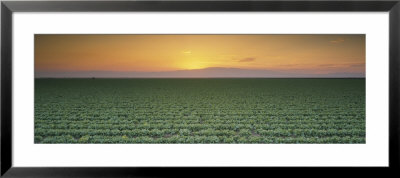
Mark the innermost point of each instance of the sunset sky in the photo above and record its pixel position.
(129, 55)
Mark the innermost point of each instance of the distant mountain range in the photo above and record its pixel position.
(212, 72)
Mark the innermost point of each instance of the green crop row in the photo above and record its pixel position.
(200, 111)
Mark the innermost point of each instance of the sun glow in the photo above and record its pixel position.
(191, 64)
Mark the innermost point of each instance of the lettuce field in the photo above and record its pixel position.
(186, 111)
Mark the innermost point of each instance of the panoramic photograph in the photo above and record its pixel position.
(199, 89)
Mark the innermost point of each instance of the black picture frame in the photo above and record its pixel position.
(8, 7)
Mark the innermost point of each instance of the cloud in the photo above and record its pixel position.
(339, 40)
(345, 65)
(248, 59)
(330, 65)
(358, 65)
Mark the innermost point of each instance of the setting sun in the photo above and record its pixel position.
(192, 64)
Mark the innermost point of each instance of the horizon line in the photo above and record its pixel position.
(176, 70)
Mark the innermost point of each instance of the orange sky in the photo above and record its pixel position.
(312, 53)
